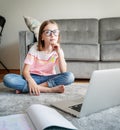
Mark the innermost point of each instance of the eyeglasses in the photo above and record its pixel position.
(49, 32)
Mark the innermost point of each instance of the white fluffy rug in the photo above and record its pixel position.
(12, 103)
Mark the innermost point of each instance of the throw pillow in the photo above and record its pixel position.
(33, 25)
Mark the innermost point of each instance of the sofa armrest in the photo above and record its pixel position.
(25, 39)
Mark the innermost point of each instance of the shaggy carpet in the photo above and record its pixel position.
(12, 103)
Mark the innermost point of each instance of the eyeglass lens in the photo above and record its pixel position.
(49, 32)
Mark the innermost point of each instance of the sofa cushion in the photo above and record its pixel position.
(83, 52)
(109, 29)
(108, 65)
(78, 30)
(109, 38)
(110, 51)
(82, 69)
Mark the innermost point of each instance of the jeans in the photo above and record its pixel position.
(18, 82)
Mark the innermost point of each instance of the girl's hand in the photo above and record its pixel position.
(56, 47)
(61, 59)
(34, 89)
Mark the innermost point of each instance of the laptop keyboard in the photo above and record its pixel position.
(76, 107)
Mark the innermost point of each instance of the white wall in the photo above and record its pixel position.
(14, 10)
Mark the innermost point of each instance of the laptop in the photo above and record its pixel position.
(103, 92)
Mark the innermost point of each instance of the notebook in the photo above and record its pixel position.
(103, 92)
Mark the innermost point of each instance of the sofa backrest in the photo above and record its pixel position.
(109, 29)
(83, 31)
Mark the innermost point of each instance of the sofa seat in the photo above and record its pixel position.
(81, 52)
(108, 65)
(82, 69)
(110, 51)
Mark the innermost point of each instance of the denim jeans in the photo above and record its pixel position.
(18, 82)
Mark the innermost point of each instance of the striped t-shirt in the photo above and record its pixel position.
(40, 62)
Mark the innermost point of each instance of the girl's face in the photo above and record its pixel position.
(50, 34)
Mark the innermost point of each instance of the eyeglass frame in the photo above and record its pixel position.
(52, 31)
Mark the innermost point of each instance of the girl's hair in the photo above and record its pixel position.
(41, 43)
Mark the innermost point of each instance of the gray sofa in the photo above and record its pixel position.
(89, 44)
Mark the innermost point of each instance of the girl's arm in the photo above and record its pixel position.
(61, 60)
(33, 87)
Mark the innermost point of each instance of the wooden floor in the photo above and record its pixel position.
(3, 72)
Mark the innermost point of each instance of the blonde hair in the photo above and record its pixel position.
(41, 43)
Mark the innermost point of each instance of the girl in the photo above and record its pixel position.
(39, 66)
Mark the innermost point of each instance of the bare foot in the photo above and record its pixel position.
(57, 89)
(17, 91)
